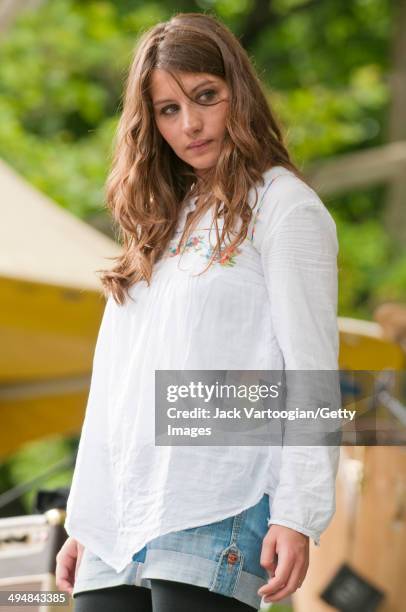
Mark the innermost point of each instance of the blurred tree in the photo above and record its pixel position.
(395, 213)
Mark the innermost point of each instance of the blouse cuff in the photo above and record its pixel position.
(308, 532)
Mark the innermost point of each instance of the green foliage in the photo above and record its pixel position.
(35, 459)
(61, 78)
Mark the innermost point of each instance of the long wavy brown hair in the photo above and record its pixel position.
(148, 183)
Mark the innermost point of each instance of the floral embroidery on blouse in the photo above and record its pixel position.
(198, 244)
(194, 243)
(228, 258)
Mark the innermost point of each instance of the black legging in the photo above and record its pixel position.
(164, 596)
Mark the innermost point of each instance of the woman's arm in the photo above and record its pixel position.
(299, 259)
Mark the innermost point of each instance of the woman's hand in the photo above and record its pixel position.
(289, 568)
(67, 564)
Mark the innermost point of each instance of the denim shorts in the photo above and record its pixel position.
(222, 556)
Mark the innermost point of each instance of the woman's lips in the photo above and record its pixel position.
(199, 147)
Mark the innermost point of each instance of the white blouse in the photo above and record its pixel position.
(269, 306)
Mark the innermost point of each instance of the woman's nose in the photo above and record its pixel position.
(192, 120)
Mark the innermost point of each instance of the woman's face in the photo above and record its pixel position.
(185, 122)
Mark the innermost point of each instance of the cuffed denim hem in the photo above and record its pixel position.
(217, 577)
(104, 577)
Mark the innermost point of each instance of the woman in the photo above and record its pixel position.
(228, 263)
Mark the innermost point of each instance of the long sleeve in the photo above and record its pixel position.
(299, 259)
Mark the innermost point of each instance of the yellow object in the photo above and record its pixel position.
(51, 307)
(363, 347)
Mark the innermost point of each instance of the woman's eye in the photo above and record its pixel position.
(165, 109)
(207, 95)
